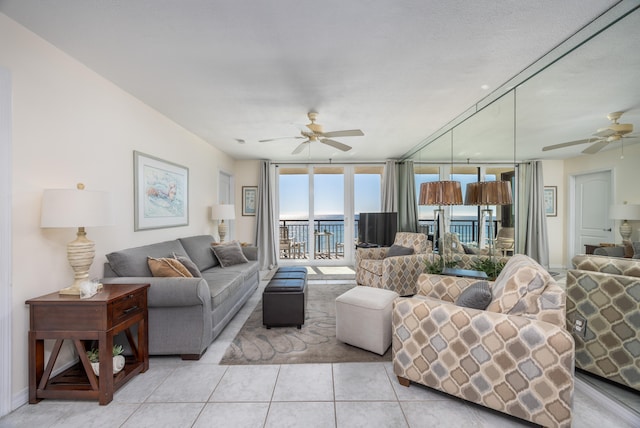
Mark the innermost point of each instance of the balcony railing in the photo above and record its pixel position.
(329, 240)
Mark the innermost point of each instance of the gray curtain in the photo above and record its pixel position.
(532, 219)
(407, 203)
(265, 219)
(389, 187)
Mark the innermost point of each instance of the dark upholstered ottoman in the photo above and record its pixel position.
(284, 298)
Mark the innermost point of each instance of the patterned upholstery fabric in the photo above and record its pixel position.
(399, 274)
(604, 294)
(454, 252)
(516, 364)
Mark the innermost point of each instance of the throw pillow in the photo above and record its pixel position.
(468, 250)
(399, 250)
(189, 264)
(167, 267)
(229, 254)
(476, 296)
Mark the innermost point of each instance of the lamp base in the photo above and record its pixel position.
(80, 253)
(222, 230)
(625, 230)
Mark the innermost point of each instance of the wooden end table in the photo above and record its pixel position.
(57, 317)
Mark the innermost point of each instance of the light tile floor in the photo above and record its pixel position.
(175, 393)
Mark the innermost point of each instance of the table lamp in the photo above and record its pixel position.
(625, 212)
(223, 212)
(440, 193)
(65, 208)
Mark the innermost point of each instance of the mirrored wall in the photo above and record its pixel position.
(566, 97)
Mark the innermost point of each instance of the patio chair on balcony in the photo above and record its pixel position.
(286, 244)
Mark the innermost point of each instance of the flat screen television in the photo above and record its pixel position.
(377, 229)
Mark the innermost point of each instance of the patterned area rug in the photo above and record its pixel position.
(315, 343)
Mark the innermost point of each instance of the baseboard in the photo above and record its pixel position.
(21, 398)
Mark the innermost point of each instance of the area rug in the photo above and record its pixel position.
(315, 343)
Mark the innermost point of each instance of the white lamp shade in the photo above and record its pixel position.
(223, 212)
(75, 208)
(624, 212)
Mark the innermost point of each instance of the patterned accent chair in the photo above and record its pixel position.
(603, 313)
(454, 252)
(515, 357)
(399, 274)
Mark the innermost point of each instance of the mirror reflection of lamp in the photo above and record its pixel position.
(223, 212)
(71, 208)
(440, 193)
(625, 212)
(488, 193)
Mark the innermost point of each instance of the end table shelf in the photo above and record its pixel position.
(57, 317)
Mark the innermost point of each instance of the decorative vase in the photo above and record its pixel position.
(118, 365)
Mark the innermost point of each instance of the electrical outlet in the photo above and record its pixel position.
(580, 325)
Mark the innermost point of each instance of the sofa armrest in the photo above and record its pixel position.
(445, 288)
(170, 292)
(377, 253)
(250, 252)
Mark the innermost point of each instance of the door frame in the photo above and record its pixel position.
(5, 243)
(573, 210)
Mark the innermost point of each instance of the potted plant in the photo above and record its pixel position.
(118, 359)
(489, 266)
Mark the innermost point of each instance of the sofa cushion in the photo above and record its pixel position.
(399, 250)
(167, 267)
(133, 261)
(197, 248)
(476, 296)
(519, 284)
(189, 264)
(229, 254)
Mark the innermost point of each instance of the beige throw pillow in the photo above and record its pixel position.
(167, 267)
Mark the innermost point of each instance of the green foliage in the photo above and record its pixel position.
(489, 266)
(94, 355)
(435, 267)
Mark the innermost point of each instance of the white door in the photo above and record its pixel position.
(592, 199)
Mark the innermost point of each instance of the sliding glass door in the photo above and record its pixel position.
(318, 210)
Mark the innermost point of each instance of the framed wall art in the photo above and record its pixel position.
(249, 200)
(551, 201)
(161, 193)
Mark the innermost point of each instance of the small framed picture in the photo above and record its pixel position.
(249, 199)
(551, 201)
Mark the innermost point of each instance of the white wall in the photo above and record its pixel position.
(626, 176)
(247, 174)
(70, 125)
(552, 171)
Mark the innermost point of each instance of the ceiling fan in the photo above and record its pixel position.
(603, 136)
(315, 133)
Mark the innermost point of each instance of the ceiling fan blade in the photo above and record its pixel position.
(338, 145)
(279, 138)
(570, 143)
(347, 133)
(596, 147)
(300, 147)
(604, 133)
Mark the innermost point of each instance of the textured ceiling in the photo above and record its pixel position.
(398, 70)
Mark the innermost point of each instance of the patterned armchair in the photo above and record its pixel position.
(455, 252)
(603, 312)
(399, 274)
(515, 357)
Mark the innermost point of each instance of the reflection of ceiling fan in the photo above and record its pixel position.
(315, 133)
(614, 132)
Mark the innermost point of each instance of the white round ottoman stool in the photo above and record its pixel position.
(363, 318)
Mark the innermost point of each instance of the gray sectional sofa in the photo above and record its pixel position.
(186, 314)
